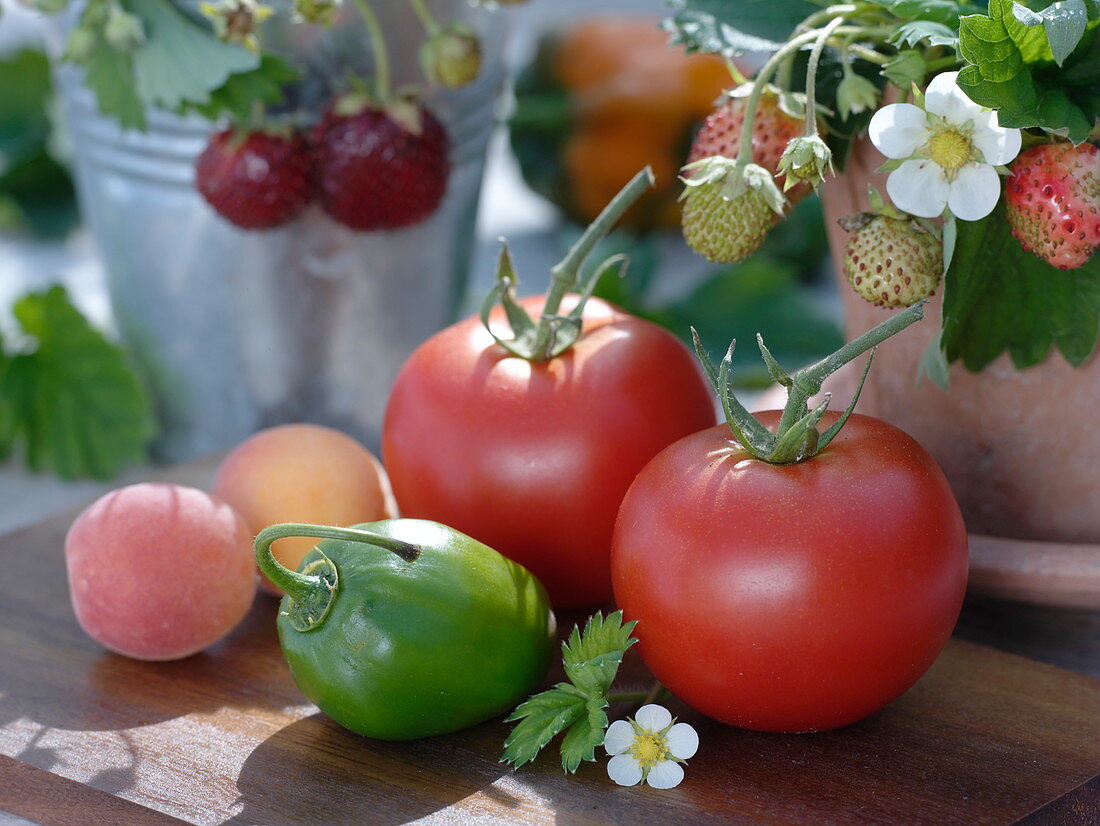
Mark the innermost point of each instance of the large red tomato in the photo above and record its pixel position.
(791, 597)
(533, 458)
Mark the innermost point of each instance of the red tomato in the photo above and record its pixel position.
(791, 597)
(533, 458)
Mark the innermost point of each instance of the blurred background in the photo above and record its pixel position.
(593, 94)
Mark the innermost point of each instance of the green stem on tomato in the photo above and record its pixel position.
(807, 381)
(811, 75)
(565, 273)
(378, 48)
(430, 24)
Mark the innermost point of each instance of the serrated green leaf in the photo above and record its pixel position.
(1013, 70)
(1064, 23)
(733, 28)
(935, 34)
(586, 733)
(109, 74)
(592, 657)
(946, 12)
(75, 403)
(999, 298)
(541, 718)
(181, 62)
(240, 92)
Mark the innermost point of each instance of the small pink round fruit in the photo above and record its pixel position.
(159, 571)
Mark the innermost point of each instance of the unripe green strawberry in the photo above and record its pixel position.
(452, 56)
(892, 261)
(723, 230)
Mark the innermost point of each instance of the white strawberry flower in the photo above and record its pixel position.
(651, 747)
(949, 150)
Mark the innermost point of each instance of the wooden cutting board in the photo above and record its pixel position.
(91, 737)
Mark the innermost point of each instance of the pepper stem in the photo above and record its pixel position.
(313, 590)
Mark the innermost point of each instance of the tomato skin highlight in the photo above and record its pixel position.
(533, 458)
(793, 597)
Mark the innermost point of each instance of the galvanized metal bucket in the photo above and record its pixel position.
(239, 330)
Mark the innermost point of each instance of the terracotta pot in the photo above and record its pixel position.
(1016, 445)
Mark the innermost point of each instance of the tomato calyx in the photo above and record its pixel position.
(796, 437)
(555, 333)
(313, 591)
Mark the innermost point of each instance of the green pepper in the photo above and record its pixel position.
(406, 628)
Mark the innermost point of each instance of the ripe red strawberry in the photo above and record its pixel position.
(257, 180)
(892, 261)
(381, 167)
(772, 130)
(1054, 202)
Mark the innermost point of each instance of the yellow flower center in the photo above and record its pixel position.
(949, 149)
(649, 749)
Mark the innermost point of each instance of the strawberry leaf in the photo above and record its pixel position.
(998, 298)
(723, 27)
(580, 742)
(1014, 69)
(591, 658)
(945, 12)
(1064, 22)
(181, 62)
(936, 34)
(72, 400)
(237, 96)
(541, 719)
(109, 74)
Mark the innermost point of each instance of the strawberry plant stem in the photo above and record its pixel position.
(841, 10)
(870, 55)
(744, 155)
(430, 24)
(811, 75)
(378, 48)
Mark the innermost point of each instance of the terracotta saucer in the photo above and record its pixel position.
(1058, 574)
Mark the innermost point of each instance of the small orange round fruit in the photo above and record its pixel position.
(303, 473)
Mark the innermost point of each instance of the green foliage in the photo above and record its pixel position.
(591, 658)
(917, 31)
(35, 190)
(944, 12)
(733, 28)
(178, 65)
(240, 92)
(1014, 68)
(70, 399)
(998, 297)
(179, 62)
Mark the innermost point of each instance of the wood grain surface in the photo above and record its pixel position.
(225, 737)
